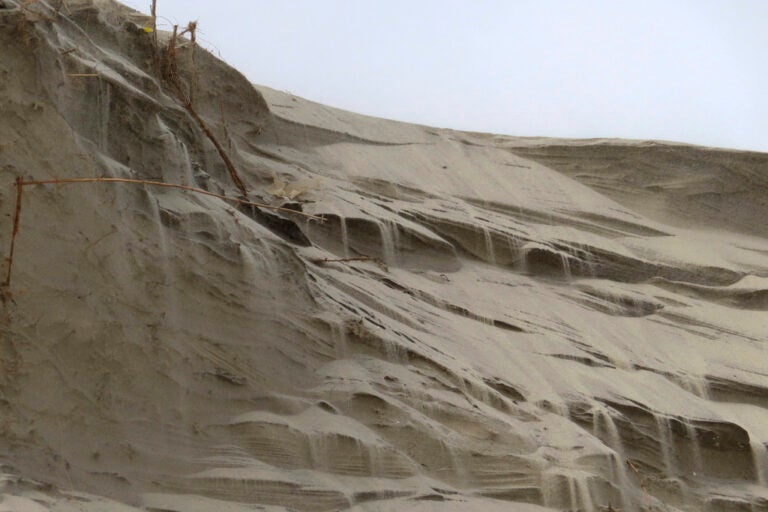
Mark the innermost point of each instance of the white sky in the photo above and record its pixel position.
(685, 70)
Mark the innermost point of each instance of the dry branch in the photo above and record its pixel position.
(642, 483)
(16, 219)
(343, 260)
(222, 152)
(192, 31)
(168, 185)
(170, 62)
(171, 73)
(81, 75)
(63, 3)
(155, 44)
(31, 15)
(21, 183)
(224, 125)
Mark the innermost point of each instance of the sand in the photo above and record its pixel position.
(521, 324)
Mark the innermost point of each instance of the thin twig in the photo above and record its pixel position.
(102, 237)
(155, 44)
(224, 125)
(642, 483)
(80, 75)
(21, 183)
(16, 219)
(343, 260)
(193, 37)
(63, 3)
(169, 185)
(170, 58)
(192, 31)
(38, 16)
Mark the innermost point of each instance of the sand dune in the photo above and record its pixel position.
(481, 322)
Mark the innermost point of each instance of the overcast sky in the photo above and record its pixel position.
(685, 70)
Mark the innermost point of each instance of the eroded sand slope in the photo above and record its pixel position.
(544, 324)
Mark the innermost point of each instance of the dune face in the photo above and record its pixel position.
(480, 323)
